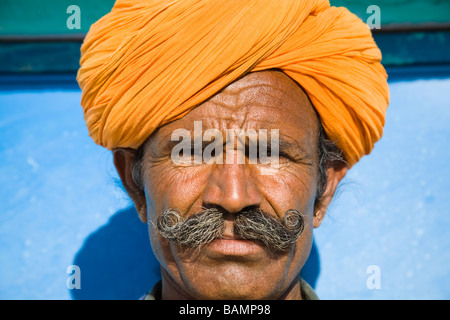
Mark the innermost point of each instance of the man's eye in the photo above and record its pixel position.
(262, 156)
(185, 153)
(282, 157)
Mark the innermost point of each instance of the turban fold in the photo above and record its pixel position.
(149, 62)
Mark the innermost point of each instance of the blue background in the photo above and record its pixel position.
(62, 205)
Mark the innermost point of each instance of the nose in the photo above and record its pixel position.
(231, 187)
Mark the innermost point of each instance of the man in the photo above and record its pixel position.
(224, 223)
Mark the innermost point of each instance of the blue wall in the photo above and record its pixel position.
(61, 205)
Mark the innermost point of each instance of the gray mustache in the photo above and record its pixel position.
(202, 228)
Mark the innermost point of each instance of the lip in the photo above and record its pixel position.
(234, 247)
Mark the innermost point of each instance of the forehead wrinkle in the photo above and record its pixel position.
(227, 114)
(256, 92)
(272, 95)
(244, 107)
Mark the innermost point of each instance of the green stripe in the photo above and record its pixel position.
(31, 17)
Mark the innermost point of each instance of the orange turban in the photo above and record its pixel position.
(149, 62)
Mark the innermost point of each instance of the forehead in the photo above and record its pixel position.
(260, 100)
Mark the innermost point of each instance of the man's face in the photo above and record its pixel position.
(230, 268)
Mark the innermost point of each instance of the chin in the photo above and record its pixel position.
(237, 282)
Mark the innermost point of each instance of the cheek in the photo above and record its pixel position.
(295, 190)
(161, 249)
(302, 248)
(169, 187)
(290, 189)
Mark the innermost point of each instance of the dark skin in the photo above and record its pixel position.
(262, 100)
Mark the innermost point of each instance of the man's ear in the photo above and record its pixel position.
(334, 175)
(124, 159)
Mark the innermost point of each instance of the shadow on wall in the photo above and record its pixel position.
(117, 262)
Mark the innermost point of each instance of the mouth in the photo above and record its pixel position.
(233, 247)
